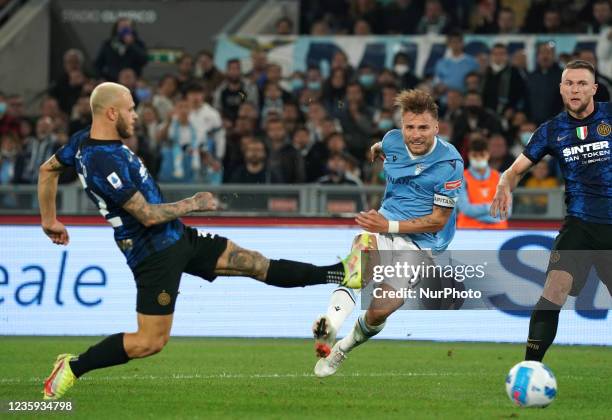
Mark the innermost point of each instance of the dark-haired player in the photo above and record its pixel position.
(157, 246)
(579, 138)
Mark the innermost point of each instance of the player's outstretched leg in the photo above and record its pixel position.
(367, 326)
(152, 335)
(545, 316)
(237, 261)
(325, 327)
(361, 332)
(68, 368)
(61, 378)
(342, 300)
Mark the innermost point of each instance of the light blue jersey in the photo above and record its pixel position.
(416, 183)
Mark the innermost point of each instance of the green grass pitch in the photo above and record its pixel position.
(272, 378)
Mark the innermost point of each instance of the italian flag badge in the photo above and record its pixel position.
(581, 132)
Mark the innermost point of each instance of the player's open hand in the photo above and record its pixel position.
(502, 202)
(372, 221)
(205, 201)
(56, 231)
(377, 152)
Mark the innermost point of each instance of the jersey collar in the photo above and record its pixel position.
(581, 120)
(433, 146)
(94, 142)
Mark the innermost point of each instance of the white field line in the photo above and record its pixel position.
(8, 381)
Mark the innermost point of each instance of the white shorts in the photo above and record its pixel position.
(395, 247)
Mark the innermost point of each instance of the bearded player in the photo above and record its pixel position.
(424, 175)
(579, 138)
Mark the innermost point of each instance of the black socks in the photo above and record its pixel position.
(108, 352)
(286, 273)
(542, 329)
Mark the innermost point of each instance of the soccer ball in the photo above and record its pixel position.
(531, 384)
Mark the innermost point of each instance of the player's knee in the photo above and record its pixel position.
(154, 344)
(558, 286)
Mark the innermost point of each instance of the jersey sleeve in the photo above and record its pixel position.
(450, 183)
(537, 147)
(65, 154)
(111, 177)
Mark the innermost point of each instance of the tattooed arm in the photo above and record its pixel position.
(375, 222)
(48, 176)
(154, 214)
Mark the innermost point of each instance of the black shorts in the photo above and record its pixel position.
(158, 276)
(581, 246)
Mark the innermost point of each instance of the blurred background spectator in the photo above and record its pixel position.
(124, 49)
(260, 118)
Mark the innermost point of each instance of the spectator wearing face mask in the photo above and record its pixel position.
(480, 184)
(401, 68)
(124, 49)
(503, 87)
(367, 79)
(523, 135)
(384, 122)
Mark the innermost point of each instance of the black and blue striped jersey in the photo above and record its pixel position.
(111, 174)
(582, 148)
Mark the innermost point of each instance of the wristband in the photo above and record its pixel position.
(393, 226)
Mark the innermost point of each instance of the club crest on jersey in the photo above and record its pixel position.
(394, 158)
(581, 132)
(419, 168)
(452, 185)
(604, 129)
(114, 180)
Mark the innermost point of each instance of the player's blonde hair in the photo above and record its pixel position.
(106, 94)
(416, 101)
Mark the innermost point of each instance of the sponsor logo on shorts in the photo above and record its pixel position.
(555, 256)
(164, 298)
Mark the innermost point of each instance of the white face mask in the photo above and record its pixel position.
(497, 67)
(401, 69)
(479, 163)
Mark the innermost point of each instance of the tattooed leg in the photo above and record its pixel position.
(236, 261)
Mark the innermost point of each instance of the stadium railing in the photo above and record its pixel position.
(311, 200)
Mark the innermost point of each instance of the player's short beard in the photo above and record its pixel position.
(122, 128)
(581, 108)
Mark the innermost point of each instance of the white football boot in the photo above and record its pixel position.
(329, 365)
(324, 334)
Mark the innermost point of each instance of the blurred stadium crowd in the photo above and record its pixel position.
(215, 125)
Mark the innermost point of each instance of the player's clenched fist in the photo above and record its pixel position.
(377, 152)
(372, 221)
(204, 201)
